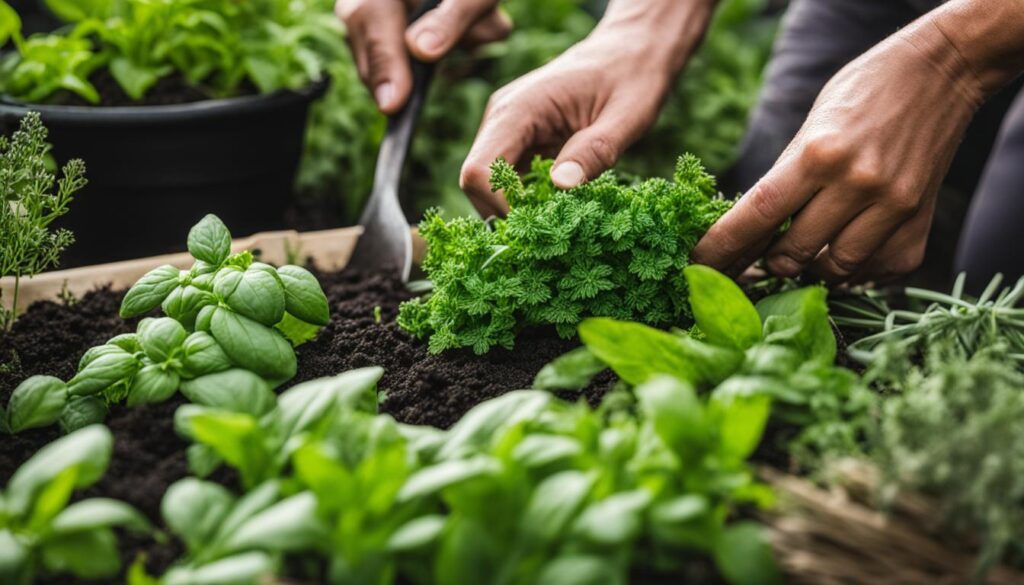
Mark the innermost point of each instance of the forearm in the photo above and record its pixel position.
(668, 31)
(988, 35)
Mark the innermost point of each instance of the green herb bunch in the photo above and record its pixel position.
(783, 348)
(227, 312)
(607, 248)
(524, 489)
(30, 200)
(41, 534)
(220, 47)
(954, 429)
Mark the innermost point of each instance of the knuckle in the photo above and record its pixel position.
(825, 151)
(865, 176)
(351, 11)
(845, 263)
(603, 150)
(766, 199)
(474, 178)
(904, 202)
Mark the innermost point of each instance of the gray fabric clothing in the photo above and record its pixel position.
(817, 39)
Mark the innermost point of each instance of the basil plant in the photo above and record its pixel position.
(226, 312)
(41, 534)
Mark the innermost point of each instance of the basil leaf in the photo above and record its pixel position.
(210, 241)
(161, 338)
(184, 304)
(203, 320)
(236, 437)
(798, 319)
(291, 524)
(553, 504)
(82, 411)
(258, 296)
(202, 356)
(303, 405)
(431, 480)
(744, 556)
(94, 352)
(304, 299)
(151, 290)
(741, 421)
(722, 311)
(232, 390)
(103, 372)
(253, 346)
(16, 564)
(193, 510)
(417, 533)
(36, 402)
(152, 384)
(572, 371)
(250, 567)
(200, 268)
(579, 569)
(202, 460)
(226, 281)
(297, 332)
(98, 513)
(126, 341)
(678, 417)
(616, 520)
(637, 352)
(87, 451)
(90, 554)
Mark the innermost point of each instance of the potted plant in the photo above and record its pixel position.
(181, 107)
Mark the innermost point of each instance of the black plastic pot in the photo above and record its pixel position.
(154, 171)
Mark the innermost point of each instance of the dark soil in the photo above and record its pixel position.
(419, 388)
(169, 90)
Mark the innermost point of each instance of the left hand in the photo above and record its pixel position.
(861, 177)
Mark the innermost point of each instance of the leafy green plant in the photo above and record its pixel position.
(227, 313)
(783, 347)
(220, 47)
(952, 429)
(524, 489)
(955, 319)
(40, 533)
(29, 204)
(606, 248)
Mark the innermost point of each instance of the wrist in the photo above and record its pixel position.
(666, 32)
(988, 35)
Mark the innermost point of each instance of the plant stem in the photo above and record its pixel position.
(14, 305)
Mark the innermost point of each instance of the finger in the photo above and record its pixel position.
(505, 133)
(437, 31)
(814, 226)
(902, 253)
(850, 250)
(375, 32)
(596, 148)
(492, 27)
(749, 258)
(756, 216)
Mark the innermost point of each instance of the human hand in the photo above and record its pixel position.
(381, 43)
(861, 177)
(585, 107)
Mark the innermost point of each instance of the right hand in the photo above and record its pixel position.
(381, 43)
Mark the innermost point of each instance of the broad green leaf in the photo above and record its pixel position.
(721, 310)
(433, 479)
(103, 372)
(202, 355)
(82, 411)
(151, 385)
(202, 460)
(306, 404)
(250, 504)
(291, 524)
(150, 291)
(253, 346)
(78, 10)
(572, 371)
(237, 438)
(95, 352)
(476, 429)
(98, 513)
(744, 557)
(258, 296)
(87, 449)
(677, 415)
(242, 569)
(160, 338)
(581, 570)
(233, 390)
(614, 521)
(185, 303)
(210, 241)
(36, 402)
(193, 510)
(468, 552)
(637, 352)
(553, 505)
(90, 554)
(205, 318)
(10, 26)
(297, 332)
(417, 533)
(135, 78)
(741, 422)
(226, 281)
(537, 450)
(304, 298)
(126, 341)
(798, 319)
(51, 499)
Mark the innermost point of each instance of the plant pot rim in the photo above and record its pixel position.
(167, 114)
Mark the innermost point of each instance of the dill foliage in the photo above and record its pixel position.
(610, 248)
(31, 198)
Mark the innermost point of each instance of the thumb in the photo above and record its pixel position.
(590, 152)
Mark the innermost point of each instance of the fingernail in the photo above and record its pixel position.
(429, 41)
(568, 175)
(384, 93)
